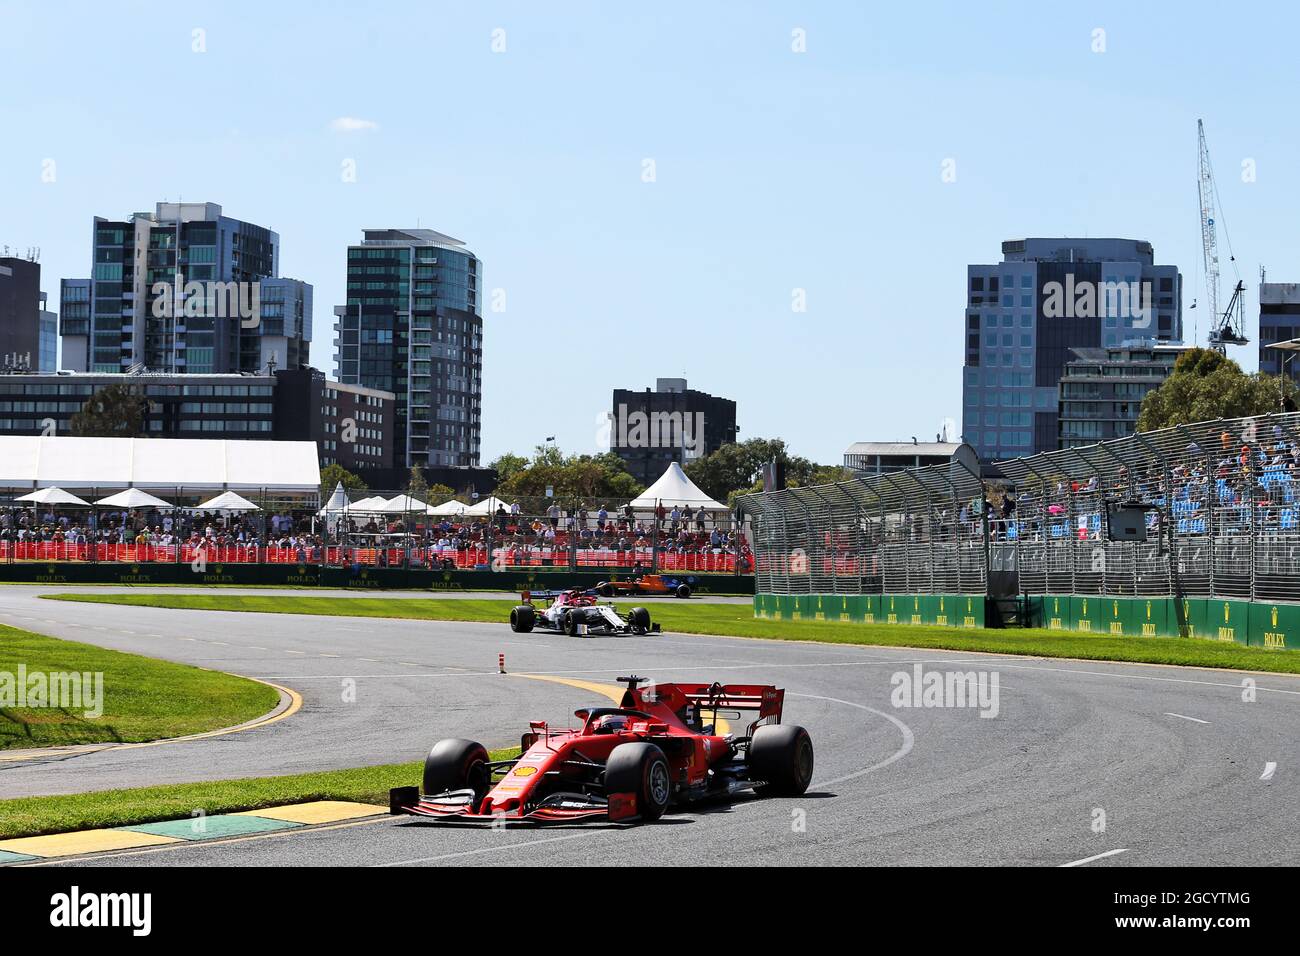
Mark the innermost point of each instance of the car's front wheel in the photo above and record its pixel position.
(522, 618)
(639, 620)
(640, 769)
(456, 764)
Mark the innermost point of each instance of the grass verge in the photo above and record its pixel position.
(737, 620)
(32, 816)
(142, 698)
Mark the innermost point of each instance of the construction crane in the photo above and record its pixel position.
(1228, 328)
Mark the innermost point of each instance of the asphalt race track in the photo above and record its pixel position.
(1173, 757)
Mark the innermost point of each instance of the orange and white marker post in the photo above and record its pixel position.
(501, 663)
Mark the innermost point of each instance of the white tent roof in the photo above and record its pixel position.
(370, 506)
(132, 498)
(338, 501)
(451, 507)
(674, 488)
(190, 464)
(228, 501)
(403, 504)
(488, 506)
(53, 496)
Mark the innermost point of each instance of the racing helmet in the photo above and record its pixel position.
(610, 724)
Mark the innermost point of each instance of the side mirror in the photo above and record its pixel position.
(581, 714)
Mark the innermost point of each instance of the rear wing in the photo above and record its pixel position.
(764, 698)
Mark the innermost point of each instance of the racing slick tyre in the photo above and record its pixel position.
(781, 755)
(642, 769)
(683, 590)
(456, 764)
(569, 623)
(522, 618)
(639, 620)
(605, 589)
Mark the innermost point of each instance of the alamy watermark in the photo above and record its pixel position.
(209, 300)
(949, 689)
(640, 429)
(1086, 299)
(67, 690)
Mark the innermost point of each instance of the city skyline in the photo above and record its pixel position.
(858, 176)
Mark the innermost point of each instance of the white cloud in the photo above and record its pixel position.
(351, 124)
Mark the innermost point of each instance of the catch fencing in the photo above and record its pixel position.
(1222, 520)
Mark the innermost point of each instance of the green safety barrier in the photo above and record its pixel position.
(1269, 625)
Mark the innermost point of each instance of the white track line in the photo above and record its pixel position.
(492, 849)
(1195, 720)
(1089, 859)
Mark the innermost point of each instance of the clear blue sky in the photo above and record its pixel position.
(775, 170)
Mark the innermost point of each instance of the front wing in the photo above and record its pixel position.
(456, 806)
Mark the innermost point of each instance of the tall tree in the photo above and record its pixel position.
(114, 411)
(1205, 385)
(331, 475)
(416, 486)
(735, 468)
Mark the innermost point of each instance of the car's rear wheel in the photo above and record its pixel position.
(605, 589)
(781, 755)
(639, 620)
(522, 618)
(456, 764)
(641, 769)
(683, 590)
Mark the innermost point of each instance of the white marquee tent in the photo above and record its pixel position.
(488, 506)
(53, 496)
(674, 489)
(404, 504)
(227, 501)
(187, 465)
(131, 499)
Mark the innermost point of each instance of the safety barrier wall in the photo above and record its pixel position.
(1274, 626)
(941, 610)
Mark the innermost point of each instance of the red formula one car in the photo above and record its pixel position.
(656, 750)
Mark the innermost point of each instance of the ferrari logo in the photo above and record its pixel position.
(1114, 608)
(916, 604)
(1227, 610)
(1085, 607)
(1275, 617)
(1056, 605)
(1148, 610)
(940, 603)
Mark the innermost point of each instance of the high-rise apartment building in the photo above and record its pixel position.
(184, 289)
(20, 313)
(1102, 389)
(412, 326)
(1026, 314)
(1279, 321)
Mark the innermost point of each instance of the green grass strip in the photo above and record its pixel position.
(32, 816)
(737, 620)
(142, 699)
